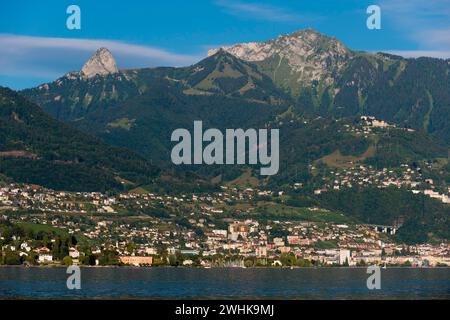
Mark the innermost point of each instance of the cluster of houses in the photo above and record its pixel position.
(358, 245)
(368, 123)
(44, 254)
(359, 175)
(34, 197)
(206, 231)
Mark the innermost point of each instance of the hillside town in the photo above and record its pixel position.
(405, 177)
(40, 226)
(348, 173)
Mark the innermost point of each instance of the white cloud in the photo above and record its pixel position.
(48, 57)
(436, 38)
(425, 22)
(420, 53)
(258, 11)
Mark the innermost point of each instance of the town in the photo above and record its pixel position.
(234, 227)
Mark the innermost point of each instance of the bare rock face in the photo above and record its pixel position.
(101, 63)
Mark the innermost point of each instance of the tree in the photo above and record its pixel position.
(173, 260)
(67, 261)
(88, 259)
(108, 257)
(407, 263)
(248, 263)
(346, 264)
(12, 258)
(31, 258)
(304, 263)
(288, 259)
(361, 263)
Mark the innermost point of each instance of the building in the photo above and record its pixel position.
(74, 253)
(151, 251)
(344, 256)
(189, 251)
(261, 252)
(136, 261)
(293, 239)
(45, 258)
(238, 228)
(279, 242)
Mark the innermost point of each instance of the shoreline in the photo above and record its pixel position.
(233, 268)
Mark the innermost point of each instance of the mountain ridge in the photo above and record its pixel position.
(35, 148)
(333, 81)
(308, 54)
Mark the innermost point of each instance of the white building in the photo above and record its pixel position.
(45, 258)
(344, 256)
(74, 253)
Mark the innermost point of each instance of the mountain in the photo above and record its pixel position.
(224, 74)
(308, 85)
(328, 79)
(409, 92)
(101, 63)
(293, 78)
(35, 148)
(74, 96)
(295, 60)
(139, 109)
(313, 72)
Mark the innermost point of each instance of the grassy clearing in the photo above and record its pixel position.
(123, 123)
(337, 160)
(277, 211)
(42, 227)
(245, 180)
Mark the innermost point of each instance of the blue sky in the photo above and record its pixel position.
(36, 46)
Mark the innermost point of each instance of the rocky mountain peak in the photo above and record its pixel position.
(308, 54)
(300, 42)
(101, 63)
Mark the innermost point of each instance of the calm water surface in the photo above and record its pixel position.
(184, 283)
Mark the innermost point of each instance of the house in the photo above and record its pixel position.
(285, 249)
(261, 252)
(151, 251)
(43, 250)
(293, 239)
(279, 242)
(25, 246)
(45, 258)
(187, 262)
(74, 253)
(44, 255)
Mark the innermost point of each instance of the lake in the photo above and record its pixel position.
(224, 283)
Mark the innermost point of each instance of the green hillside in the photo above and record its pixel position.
(35, 148)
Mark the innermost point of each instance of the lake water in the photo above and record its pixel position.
(231, 283)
